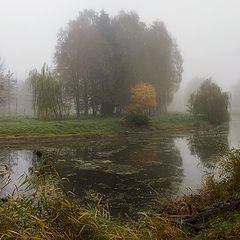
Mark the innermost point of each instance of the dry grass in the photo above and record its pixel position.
(43, 211)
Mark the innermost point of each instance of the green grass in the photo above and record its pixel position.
(87, 125)
(174, 120)
(99, 126)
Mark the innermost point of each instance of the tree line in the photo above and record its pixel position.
(98, 59)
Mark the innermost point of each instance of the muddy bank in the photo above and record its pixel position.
(49, 138)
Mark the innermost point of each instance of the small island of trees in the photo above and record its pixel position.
(99, 59)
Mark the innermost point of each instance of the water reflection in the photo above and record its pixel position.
(129, 173)
(193, 169)
(16, 163)
(234, 131)
(127, 177)
(209, 143)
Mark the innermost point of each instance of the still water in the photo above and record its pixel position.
(132, 173)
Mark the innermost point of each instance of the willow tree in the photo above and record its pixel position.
(210, 102)
(47, 90)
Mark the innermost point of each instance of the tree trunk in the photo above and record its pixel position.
(85, 109)
(94, 110)
(8, 100)
(77, 106)
(107, 109)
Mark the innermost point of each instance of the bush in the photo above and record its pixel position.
(210, 103)
(138, 119)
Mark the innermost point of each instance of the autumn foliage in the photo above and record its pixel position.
(143, 98)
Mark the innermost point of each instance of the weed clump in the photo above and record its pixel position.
(44, 211)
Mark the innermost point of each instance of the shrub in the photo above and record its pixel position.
(138, 119)
(210, 102)
(143, 99)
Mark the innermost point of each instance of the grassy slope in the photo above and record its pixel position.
(86, 125)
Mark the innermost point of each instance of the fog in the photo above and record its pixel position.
(115, 111)
(207, 32)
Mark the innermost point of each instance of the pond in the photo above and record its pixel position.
(132, 173)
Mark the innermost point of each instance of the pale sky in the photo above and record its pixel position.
(207, 31)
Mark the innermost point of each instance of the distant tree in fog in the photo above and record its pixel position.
(2, 80)
(8, 89)
(24, 99)
(235, 96)
(210, 102)
(192, 87)
(100, 58)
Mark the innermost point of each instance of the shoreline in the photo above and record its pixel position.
(58, 138)
(24, 131)
(36, 139)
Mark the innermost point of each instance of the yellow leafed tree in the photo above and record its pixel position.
(143, 97)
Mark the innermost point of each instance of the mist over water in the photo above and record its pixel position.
(119, 119)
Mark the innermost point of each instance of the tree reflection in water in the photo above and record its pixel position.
(18, 163)
(128, 175)
(209, 143)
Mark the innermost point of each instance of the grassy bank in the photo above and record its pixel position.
(174, 121)
(46, 213)
(30, 126)
(87, 125)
